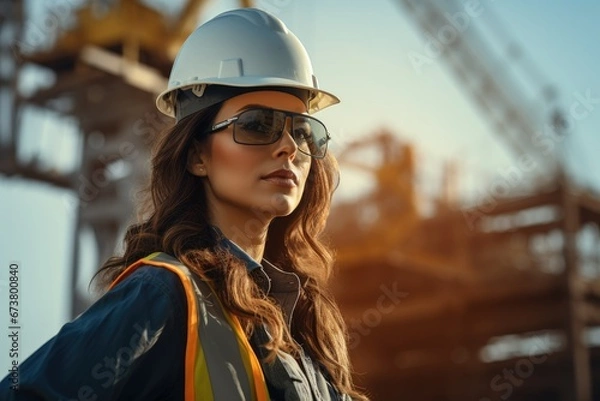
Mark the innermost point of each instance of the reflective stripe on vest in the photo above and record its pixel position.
(220, 364)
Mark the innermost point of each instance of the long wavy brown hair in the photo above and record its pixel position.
(175, 220)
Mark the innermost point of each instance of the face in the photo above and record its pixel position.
(252, 181)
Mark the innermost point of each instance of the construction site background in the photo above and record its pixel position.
(452, 290)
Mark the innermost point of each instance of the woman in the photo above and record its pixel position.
(221, 291)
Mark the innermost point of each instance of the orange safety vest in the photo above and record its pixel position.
(220, 364)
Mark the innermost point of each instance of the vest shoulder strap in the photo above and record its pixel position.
(219, 363)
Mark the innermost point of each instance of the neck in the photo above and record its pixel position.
(248, 232)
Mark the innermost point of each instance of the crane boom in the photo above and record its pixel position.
(490, 88)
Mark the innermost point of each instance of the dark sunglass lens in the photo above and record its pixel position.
(258, 126)
(311, 135)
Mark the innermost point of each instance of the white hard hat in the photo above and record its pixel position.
(247, 49)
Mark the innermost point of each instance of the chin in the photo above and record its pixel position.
(279, 206)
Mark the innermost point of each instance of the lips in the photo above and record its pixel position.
(283, 175)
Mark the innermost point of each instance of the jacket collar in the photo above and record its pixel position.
(281, 285)
(225, 243)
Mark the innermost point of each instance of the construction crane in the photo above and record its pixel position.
(466, 269)
(490, 86)
(108, 67)
(501, 101)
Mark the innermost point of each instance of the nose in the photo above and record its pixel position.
(286, 145)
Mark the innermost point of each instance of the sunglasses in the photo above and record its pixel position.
(262, 126)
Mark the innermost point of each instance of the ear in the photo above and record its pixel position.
(195, 160)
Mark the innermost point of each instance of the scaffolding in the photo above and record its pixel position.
(431, 295)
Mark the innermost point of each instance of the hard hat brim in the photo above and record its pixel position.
(318, 100)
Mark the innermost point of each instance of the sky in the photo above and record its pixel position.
(364, 53)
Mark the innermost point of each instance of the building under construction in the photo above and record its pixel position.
(483, 303)
(491, 301)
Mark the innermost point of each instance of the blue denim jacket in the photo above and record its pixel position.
(130, 344)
